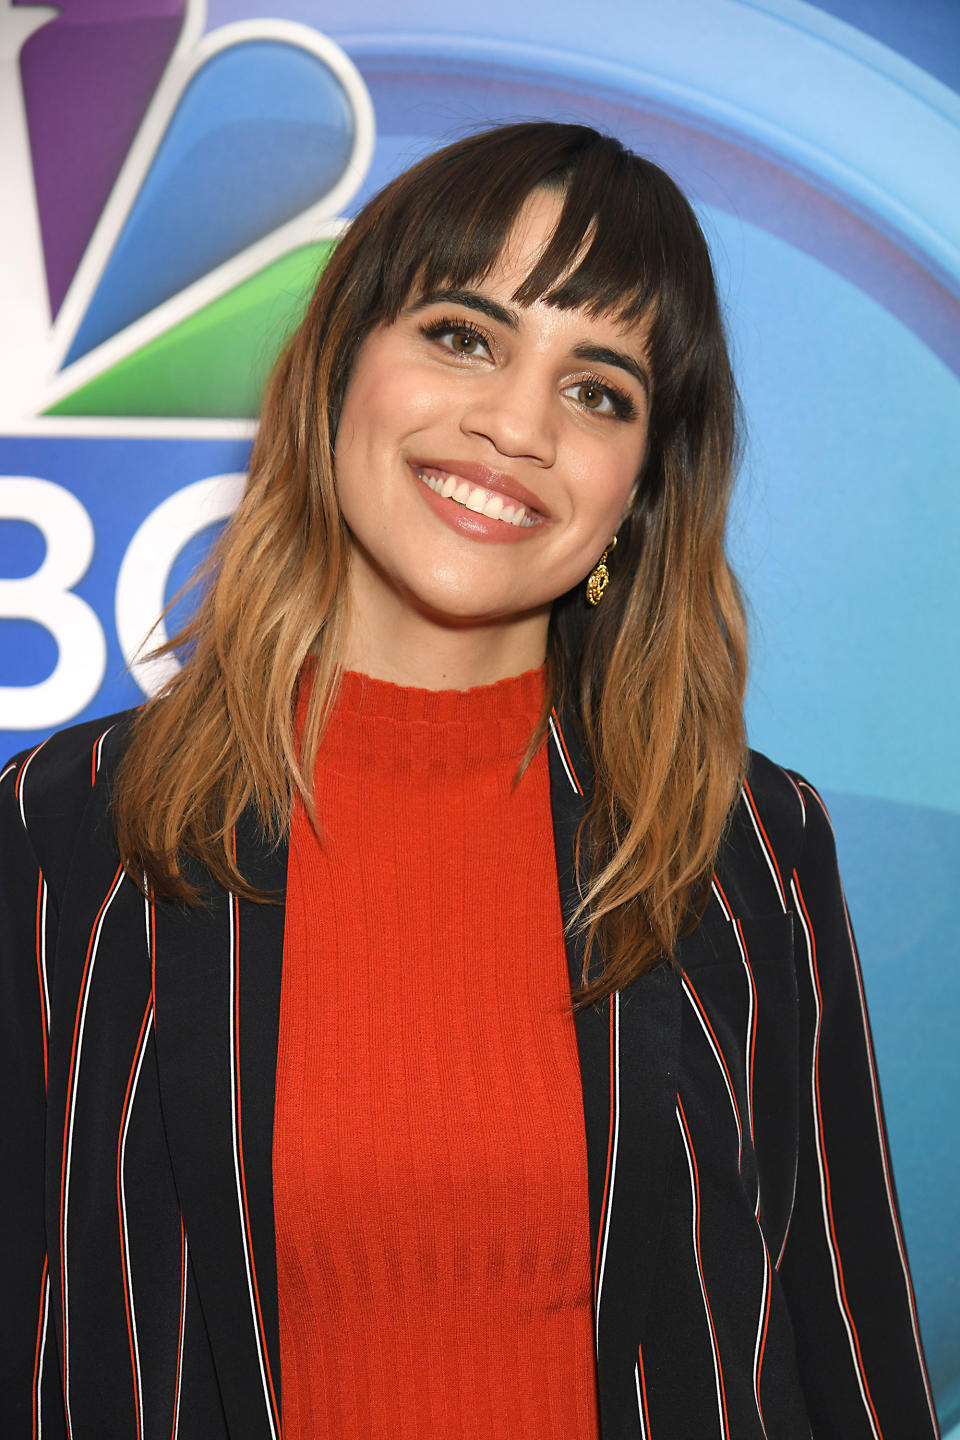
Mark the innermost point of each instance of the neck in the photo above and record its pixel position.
(408, 647)
(442, 661)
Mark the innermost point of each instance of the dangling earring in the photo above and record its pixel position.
(599, 577)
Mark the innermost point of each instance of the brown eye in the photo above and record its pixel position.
(592, 396)
(464, 342)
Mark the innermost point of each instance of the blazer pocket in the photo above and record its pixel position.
(769, 943)
(745, 979)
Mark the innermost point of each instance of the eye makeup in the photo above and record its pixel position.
(622, 406)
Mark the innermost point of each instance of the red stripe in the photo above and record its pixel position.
(706, 1021)
(153, 954)
(563, 747)
(766, 841)
(93, 765)
(183, 1292)
(243, 1179)
(826, 1168)
(123, 1246)
(43, 1002)
(753, 1037)
(606, 1178)
(36, 1353)
(763, 1338)
(726, 902)
(16, 783)
(66, 1119)
(713, 1332)
(881, 1139)
(643, 1391)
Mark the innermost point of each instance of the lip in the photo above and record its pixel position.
(470, 523)
(477, 474)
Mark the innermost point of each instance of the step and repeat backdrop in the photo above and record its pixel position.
(173, 176)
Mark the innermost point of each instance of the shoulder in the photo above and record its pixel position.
(778, 821)
(48, 793)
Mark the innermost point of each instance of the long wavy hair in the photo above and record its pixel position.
(654, 675)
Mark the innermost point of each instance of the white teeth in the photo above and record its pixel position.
(473, 497)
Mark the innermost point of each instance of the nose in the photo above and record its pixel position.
(514, 409)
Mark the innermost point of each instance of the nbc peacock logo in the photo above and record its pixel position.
(170, 194)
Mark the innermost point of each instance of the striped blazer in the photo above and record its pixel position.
(750, 1282)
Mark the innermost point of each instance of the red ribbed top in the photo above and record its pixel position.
(429, 1162)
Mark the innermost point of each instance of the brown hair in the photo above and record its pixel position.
(655, 675)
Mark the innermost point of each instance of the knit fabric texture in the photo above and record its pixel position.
(429, 1159)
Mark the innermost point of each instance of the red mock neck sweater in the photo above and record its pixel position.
(429, 1163)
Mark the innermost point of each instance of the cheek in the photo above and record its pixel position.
(607, 483)
(386, 403)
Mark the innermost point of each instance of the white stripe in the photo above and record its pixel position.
(727, 913)
(888, 1180)
(43, 954)
(786, 1232)
(69, 1158)
(756, 1348)
(823, 1181)
(555, 733)
(236, 1171)
(183, 1333)
(636, 1376)
(613, 1159)
(43, 1352)
(703, 1288)
(7, 769)
(23, 775)
(751, 1013)
(100, 747)
(799, 794)
(123, 1208)
(766, 850)
(687, 990)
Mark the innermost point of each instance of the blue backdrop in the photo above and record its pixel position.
(821, 145)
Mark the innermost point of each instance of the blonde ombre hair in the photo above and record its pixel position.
(654, 675)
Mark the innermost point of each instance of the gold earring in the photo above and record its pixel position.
(599, 577)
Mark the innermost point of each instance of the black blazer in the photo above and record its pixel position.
(750, 1273)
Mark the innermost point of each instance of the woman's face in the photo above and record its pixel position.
(487, 451)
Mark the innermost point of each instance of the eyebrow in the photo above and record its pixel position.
(503, 315)
(470, 300)
(603, 355)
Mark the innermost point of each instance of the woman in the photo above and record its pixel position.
(321, 1164)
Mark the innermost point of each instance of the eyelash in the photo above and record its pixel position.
(623, 406)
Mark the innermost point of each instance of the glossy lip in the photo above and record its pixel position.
(470, 523)
(476, 474)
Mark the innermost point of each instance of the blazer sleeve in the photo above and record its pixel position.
(844, 1269)
(28, 925)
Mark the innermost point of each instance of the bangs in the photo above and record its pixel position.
(609, 252)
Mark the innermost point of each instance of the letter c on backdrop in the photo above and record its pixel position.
(142, 581)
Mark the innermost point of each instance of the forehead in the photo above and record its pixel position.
(507, 280)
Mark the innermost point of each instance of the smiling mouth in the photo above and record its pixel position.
(475, 497)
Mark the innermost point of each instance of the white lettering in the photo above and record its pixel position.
(46, 597)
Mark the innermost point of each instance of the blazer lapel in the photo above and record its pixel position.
(217, 973)
(217, 993)
(628, 1047)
